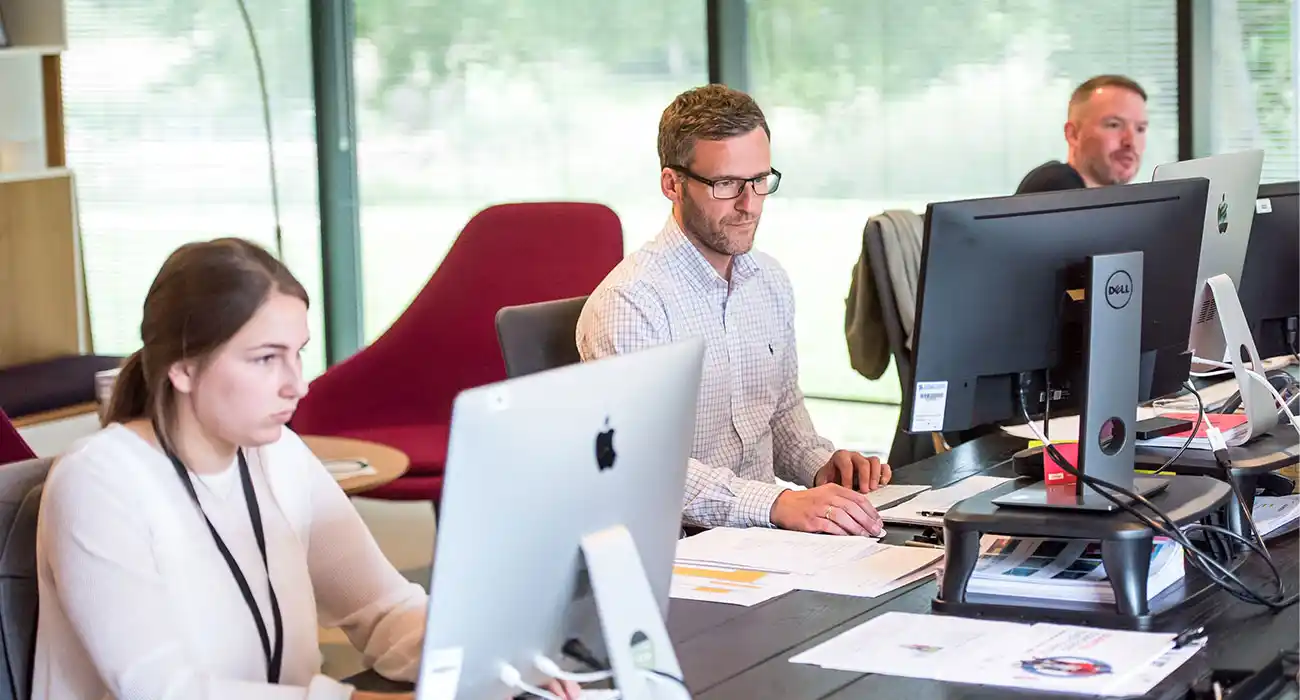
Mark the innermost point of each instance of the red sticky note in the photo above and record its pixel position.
(1053, 474)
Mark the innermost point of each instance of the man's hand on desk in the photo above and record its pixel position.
(829, 508)
(854, 471)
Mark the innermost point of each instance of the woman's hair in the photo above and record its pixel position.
(204, 293)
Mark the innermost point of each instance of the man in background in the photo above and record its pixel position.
(1106, 132)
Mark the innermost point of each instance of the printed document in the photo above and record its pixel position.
(1043, 657)
(929, 507)
(776, 551)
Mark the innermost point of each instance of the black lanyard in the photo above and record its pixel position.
(273, 657)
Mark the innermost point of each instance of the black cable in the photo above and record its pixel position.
(1225, 463)
(671, 677)
(1254, 546)
(1196, 429)
(266, 121)
(576, 650)
(1223, 578)
(1207, 564)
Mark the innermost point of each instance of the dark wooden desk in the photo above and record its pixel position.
(730, 652)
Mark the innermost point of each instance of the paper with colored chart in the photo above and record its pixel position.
(777, 551)
(1039, 657)
(716, 584)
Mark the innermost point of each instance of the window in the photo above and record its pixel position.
(1253, 88)
(898, 103)
(463, 103)
(165, 135)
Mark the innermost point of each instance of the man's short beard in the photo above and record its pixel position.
(713, 237)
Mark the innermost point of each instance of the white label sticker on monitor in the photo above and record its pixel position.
(440, 673)
(1264, 206)
(927, 412)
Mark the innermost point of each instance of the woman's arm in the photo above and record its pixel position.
(357, 588)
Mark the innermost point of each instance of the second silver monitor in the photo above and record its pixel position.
(1229, 213)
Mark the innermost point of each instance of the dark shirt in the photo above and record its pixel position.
(1051, 177)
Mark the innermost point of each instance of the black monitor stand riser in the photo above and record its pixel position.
(1112, 336)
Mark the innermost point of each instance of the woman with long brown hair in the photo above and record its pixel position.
(185, 550)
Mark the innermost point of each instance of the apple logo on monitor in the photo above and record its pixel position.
(605, 454)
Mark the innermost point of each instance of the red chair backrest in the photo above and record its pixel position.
(446, 341)
(13, 448)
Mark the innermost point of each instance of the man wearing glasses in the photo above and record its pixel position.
(700, 277)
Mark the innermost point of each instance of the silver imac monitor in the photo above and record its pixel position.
(559, 521)
(1229, 213)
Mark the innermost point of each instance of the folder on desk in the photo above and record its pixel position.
(1234, 427)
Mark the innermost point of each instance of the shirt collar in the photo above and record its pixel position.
(696, 266)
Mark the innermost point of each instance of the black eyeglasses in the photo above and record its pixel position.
(730, 188)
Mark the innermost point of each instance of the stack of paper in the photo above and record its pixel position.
(882, 497)
(1234, 426)
(717, 584)
(777, 551)
(1042, 657)
(891, 494)
(1276, 515)
(1050, 569)
(886, 568)
(929, 507)
(750, 566)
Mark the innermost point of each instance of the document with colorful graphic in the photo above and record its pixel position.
(1042, 657)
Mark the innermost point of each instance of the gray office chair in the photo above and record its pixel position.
(541, 336)
(20, 501)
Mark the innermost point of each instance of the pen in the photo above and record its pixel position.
(917, 543)
(1188, 636)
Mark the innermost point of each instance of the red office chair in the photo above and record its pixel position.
(13, 448)
(399, 390)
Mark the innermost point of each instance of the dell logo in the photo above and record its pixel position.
(1119, 289)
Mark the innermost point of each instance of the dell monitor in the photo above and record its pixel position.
(1229, 213)
(559, 521)
(1001, 300)
(1270, 280)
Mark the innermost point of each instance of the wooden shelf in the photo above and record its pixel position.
(35, 23)
(8, 178)
(42, 295)
(42, 50)
(39, 272)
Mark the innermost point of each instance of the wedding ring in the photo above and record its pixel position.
(828, 512)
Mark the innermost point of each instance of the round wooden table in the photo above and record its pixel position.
(388, 462)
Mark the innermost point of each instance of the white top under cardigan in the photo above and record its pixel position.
(137, 603)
